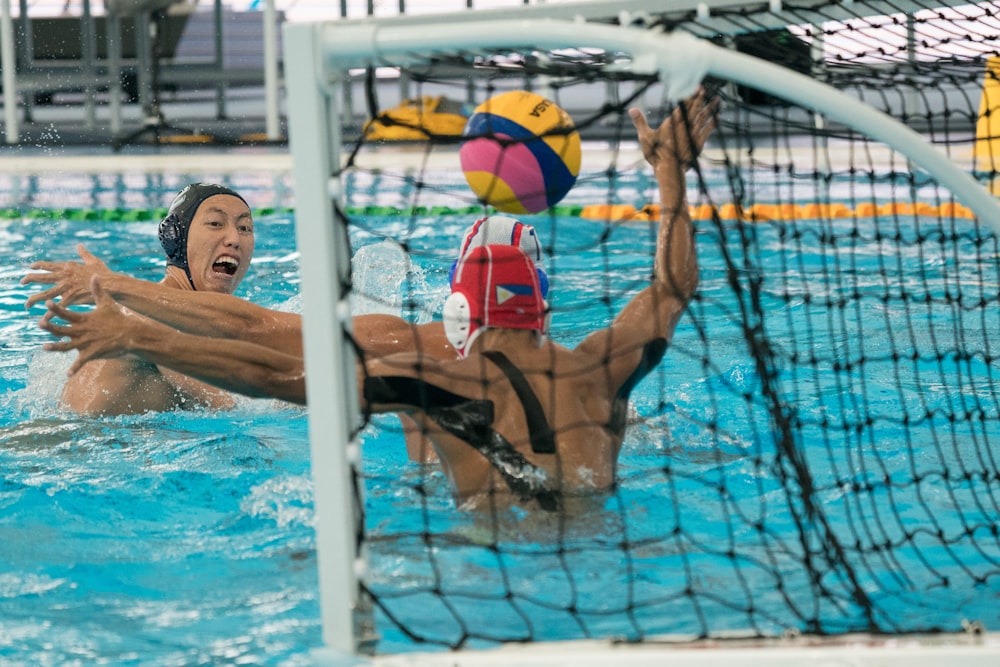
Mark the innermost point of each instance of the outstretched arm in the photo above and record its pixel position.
(671, 150)
(221, 315)
(111, 331)
(200, 313)
(653, 314)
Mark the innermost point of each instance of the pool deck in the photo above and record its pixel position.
(276, 157)
(249, 158)
(58, 140)
(151, 160)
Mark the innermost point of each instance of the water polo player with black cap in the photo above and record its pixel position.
(208, 239)
(229, 264)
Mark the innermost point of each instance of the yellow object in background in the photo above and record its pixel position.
(987, 147)
(418, 120)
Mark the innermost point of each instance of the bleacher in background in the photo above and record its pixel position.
(213, 51)
(242, 36)
(208, 50)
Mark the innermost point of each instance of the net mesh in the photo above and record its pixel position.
(818, 450)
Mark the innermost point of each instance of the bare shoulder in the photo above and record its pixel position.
(383, 335)
(637, 337)
(118, 387)
(416, 364)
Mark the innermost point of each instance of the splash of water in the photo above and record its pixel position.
(378, 272)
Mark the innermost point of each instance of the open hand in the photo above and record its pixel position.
(71, 280)
(99, 334)
(679, 139)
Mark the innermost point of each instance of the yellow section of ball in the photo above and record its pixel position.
(491, 189)
(543, 118)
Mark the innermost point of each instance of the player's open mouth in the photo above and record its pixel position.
(227, 265)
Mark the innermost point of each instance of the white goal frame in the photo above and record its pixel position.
(317, 59)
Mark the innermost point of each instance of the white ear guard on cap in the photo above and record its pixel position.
(457, 316)
(460, 330)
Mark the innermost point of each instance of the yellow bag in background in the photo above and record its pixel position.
(418, 120)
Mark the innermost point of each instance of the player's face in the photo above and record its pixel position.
(220, 244)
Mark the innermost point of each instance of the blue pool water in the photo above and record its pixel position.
(186, 538)
(153, 539)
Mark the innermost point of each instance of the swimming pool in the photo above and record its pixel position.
(186, 538)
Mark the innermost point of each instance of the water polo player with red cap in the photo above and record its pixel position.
(520, 416)
(494, 286)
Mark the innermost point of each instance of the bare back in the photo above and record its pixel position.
(577, 410)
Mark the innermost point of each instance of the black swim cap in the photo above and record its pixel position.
(174, 228)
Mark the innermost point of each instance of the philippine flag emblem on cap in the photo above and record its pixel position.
(494, 286)
(507, 292)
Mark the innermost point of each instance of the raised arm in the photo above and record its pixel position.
(111, 331)
(671, 150)
(199, 313)
(641, 330)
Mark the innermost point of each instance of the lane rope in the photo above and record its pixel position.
(608, 212)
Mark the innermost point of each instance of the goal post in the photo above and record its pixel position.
(324, 267)
(318, 59)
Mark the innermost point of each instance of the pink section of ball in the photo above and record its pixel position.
(480, 154)
(513, 164)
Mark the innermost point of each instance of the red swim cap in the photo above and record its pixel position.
(495, 286)
(504, 230)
